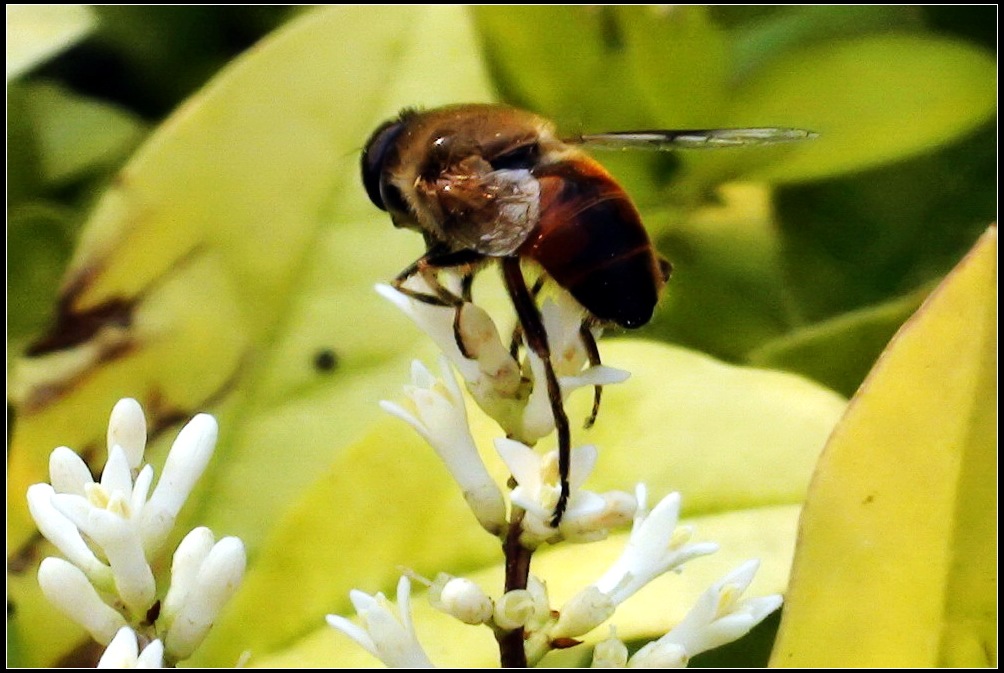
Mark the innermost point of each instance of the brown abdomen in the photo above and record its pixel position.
(591, 241)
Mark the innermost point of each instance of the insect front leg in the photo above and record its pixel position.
(536, 339)
(428, 267)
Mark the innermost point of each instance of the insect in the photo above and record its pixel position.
(486, 183)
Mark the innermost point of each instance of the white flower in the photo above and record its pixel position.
(61, 532)
(204, 576)
(123, 652)
(387, 636)
(537, 419)
(718, 617)
(588, 516)
(110, 531)
(114, 514)
(435, 408)
(562, 318)
(654, 546)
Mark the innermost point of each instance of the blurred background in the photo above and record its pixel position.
(855, 240)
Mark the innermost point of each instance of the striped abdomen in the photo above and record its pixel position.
(591, 241)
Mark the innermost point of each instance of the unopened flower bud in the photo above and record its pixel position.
(66, 587)
(217, 580)
(188, 559)
(185, 463)
(610, 652)
(127, 428)
(123, 652)
(463, 599)
(68, 473)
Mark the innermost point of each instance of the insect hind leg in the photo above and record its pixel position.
(593, 352)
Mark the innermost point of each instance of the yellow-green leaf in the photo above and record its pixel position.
(897, 558)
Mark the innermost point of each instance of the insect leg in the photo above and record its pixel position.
(536, 339)
(517, 330)
(589, 343)
(466, 281)
(428, 266)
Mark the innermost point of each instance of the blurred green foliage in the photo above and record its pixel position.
(805, 258)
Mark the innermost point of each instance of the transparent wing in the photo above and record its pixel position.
(666, 139)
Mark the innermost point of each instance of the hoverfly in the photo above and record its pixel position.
(485, 182)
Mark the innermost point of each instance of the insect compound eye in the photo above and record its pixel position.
(378, 147)
(520, 157)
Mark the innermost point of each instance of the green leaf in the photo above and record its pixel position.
(41, 235)
(233, 250)
(679, 59)
(896, 561)
(35, 33)
(727, 294)
(872, 100)
(864, 239)
(75, 134)
(838, 352)
(762, 38)
(567, 63)
(738, 443)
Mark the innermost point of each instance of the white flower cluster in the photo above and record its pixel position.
(504, 389)
(111, 530)
(655, 546)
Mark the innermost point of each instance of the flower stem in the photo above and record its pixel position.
(517, 572)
